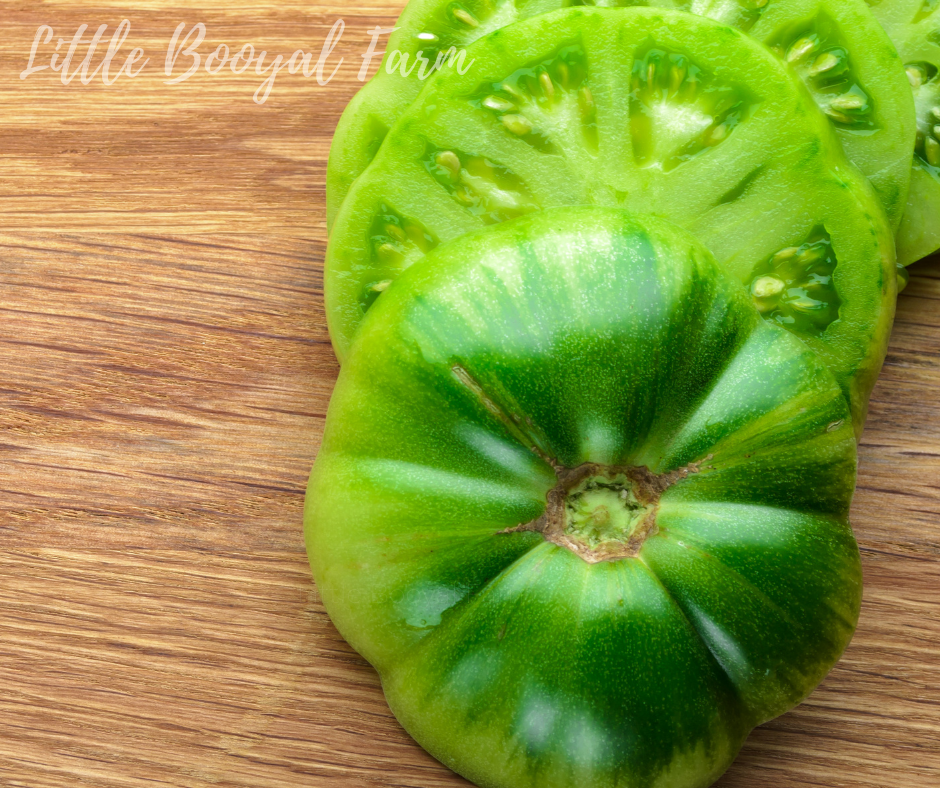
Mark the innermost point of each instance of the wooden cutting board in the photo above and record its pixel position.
(166, 371)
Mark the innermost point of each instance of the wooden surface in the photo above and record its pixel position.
(166, 372)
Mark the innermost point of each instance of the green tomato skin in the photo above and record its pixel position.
(590, 337)
(883, 155)
(919, 234)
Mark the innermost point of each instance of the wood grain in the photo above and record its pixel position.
(199, 156)
(166, 378)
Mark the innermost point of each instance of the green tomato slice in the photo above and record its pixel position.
(836, 47)
(584, 511)
(654, 111)
(914, 26)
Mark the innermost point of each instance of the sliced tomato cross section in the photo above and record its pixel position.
(835, 47)
(658, 112)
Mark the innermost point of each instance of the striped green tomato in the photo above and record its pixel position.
(583, 510)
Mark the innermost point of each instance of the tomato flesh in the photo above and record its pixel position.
(914, 26)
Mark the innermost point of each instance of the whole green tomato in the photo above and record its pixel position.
(584, 511)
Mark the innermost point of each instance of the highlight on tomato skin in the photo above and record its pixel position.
(582, 507)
